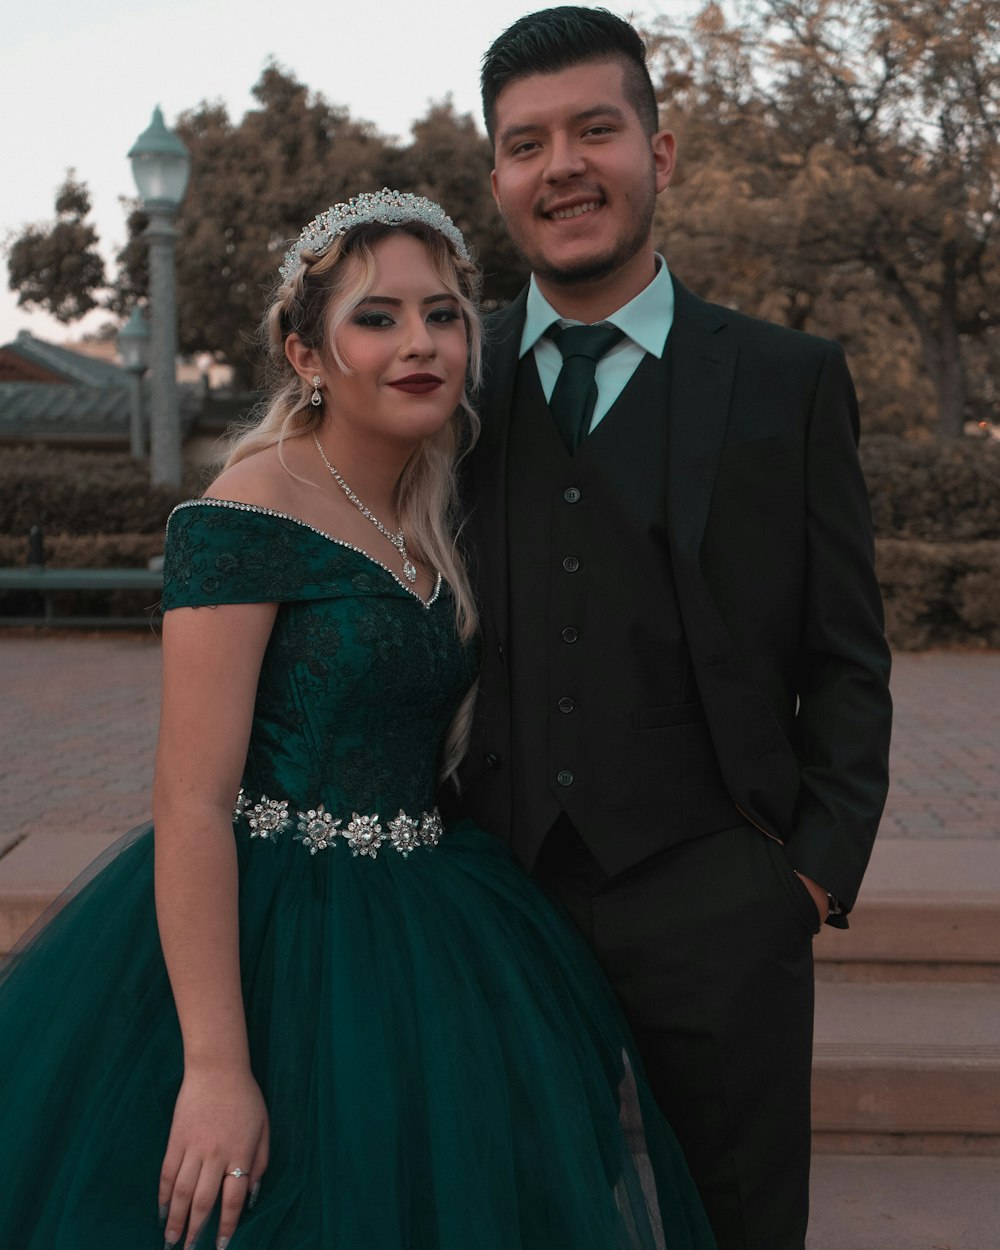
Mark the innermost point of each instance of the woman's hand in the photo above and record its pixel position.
(220, 1124)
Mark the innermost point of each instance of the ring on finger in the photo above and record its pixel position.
(238, 1173)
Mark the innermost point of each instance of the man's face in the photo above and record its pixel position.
(576, 175)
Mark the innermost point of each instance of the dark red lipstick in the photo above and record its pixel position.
(418, 383)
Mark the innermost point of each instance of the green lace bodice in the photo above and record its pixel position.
(360, 678)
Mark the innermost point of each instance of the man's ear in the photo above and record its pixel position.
(664, 147)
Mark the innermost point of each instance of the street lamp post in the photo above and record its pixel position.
(160, 166)
(133, 346)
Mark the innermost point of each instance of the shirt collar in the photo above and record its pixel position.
(646, 318)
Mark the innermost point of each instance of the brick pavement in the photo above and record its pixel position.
(946, 746)
(78, 718)
(78, 730)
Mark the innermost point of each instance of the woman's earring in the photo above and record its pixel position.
(317, 397)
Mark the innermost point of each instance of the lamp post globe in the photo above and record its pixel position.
(160, 166)
(133, 342)
(133, 347)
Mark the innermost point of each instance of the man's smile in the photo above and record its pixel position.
(561, 214)
(564, 211)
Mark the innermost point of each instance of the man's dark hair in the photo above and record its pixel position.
(556, 39)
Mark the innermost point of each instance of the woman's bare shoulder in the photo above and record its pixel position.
(264, 479)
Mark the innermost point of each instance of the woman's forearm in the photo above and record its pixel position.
(197, 913)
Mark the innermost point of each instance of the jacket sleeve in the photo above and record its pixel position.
(845, 711)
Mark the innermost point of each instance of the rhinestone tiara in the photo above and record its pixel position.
(386, 208)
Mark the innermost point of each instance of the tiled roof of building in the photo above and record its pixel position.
(60, 393)
(45, 410)
(16, 368)
(68, 364)
(63, 394)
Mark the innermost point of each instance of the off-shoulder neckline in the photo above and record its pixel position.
(211, 501)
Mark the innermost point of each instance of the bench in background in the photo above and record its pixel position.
(48, 581)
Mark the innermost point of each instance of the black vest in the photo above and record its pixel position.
(607, 718)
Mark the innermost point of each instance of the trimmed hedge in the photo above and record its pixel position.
(940, 594)
(934, 491)
(82, 492)
(936, 507)
(85, 551)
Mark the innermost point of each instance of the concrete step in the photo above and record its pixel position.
(933, 1203)
(929, 910)
(907, 1068)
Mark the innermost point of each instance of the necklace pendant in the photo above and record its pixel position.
(398, 540)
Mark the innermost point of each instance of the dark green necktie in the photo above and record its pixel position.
(575, 394)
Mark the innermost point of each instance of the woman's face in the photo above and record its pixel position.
(406, 346)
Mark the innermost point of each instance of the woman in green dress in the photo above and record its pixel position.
(346, 1025)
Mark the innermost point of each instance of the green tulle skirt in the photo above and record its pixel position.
(443, 1064)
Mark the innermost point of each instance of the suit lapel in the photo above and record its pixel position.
(702, 364)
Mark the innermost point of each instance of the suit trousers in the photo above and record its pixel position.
(708, 946)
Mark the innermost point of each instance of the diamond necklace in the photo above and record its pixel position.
(397, 540)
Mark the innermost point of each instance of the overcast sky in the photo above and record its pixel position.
(79, 80)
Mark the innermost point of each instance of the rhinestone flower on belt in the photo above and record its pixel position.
(317, 829)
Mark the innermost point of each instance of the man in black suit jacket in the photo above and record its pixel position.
(684, 715)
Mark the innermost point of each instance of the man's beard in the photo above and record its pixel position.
(594, 268)
(586, 271)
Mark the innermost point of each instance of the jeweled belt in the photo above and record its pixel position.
(318, 829)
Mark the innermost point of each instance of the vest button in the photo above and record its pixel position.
(491, 760)
(569, 634)
(571, 564)
(566, 705)
(571, 494)
(565, 778)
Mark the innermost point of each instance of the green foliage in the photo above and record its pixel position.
(131, 286)
(85, 551)
(57, 267)
(940, 594)
(937, 516)
(449, 161)
(72, 198)
(840, 170)
(81, 492)
(934, 492)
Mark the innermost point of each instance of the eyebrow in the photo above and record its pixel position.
(527, 128)
(398, 303)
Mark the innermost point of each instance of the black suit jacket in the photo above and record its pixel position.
(772, 548)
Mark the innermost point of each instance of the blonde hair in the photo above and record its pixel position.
(313, 303)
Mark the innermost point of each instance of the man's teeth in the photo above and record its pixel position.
(560, 214)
